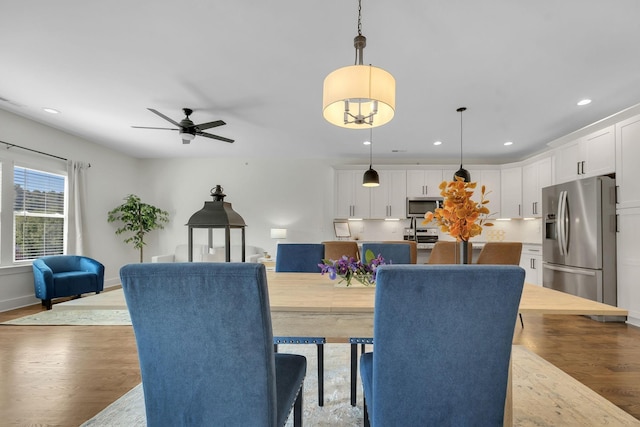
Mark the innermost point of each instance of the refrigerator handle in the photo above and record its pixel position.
(562, 222)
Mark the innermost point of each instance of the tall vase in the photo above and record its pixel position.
(463, 252)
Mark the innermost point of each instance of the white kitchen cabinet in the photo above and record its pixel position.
(535, 177)
(531, 262)
(389, 199)
(424, 183)
(627, 156)
(352, 200)
(511, 189)
(591, 155)
(491, 179)
(628, 262)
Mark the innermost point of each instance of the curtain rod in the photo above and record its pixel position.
(9, 145)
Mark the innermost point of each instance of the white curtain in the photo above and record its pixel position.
(76, 172)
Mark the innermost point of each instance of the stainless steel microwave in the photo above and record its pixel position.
(418, 206)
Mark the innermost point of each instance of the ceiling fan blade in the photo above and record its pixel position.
(219, 138)
(145, 127)
(210, 125)
(164, 117)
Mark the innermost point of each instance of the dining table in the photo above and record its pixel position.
(312, 304)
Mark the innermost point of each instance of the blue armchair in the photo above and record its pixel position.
(442, 344)
(205, 346)
(302, 258)
(59, 276)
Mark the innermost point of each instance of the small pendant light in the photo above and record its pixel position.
(370, 178)
(462, 172)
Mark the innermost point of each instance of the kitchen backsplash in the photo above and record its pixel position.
(516, 230)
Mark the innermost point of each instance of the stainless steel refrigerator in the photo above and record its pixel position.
(579, 245)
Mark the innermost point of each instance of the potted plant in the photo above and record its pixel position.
(137, 218)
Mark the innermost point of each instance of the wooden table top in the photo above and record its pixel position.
(314, 292)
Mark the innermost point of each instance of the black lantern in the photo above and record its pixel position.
(217, 214)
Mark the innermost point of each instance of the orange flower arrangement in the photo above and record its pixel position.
(460, 216)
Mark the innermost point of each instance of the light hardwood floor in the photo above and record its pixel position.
(64, 375)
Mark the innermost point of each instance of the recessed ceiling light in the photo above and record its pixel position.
(367, 143)
(437, 143)
(584, 102)
(51, 111)
(508, 143)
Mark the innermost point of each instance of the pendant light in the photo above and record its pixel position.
(370, 177)
(462, 172)
(359, 95)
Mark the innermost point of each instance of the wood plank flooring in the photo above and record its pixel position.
(64, 375)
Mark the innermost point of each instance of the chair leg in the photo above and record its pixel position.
(521, 321)
(354, 373)
(320, 374)
(366, 413)
(297, 410)
(46, 303)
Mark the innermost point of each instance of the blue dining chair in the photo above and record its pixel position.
(443, 337)
(393, 253)
(302, 258)
(205, 346)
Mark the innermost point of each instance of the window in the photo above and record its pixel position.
(39, 213)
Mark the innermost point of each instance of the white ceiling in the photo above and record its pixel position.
(519, 66)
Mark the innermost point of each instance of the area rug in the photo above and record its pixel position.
(543, 396)
(337, 410)
(74, 318)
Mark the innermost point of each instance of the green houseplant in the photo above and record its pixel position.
(138, 218)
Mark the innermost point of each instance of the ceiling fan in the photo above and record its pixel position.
(187, 129)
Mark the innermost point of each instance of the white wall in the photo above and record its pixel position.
(111, 177)
(292, 194)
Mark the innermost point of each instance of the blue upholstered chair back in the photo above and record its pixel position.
(299, 257)
(443, 337)
(205, 343)
(393, 253)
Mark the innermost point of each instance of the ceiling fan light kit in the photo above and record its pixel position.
(359, 94)
(187, 129)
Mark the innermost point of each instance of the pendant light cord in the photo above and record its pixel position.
(461, 110)
(370, 148)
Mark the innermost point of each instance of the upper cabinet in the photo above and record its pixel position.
(627, 155)
(511, 187)
(591, 155)
(389, 199)
(352, 200)
(491, 179)
(424, 183)
(535, 177)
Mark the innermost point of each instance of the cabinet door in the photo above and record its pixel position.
(491, 179)
(535, 177)
(511, 189)
(627, 155)
(423, 183)
(568, 162)
(628, 262)
(598, 153)
(389, 199)
(352, 199)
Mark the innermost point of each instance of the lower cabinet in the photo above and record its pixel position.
(628, 260)
(531, 261)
